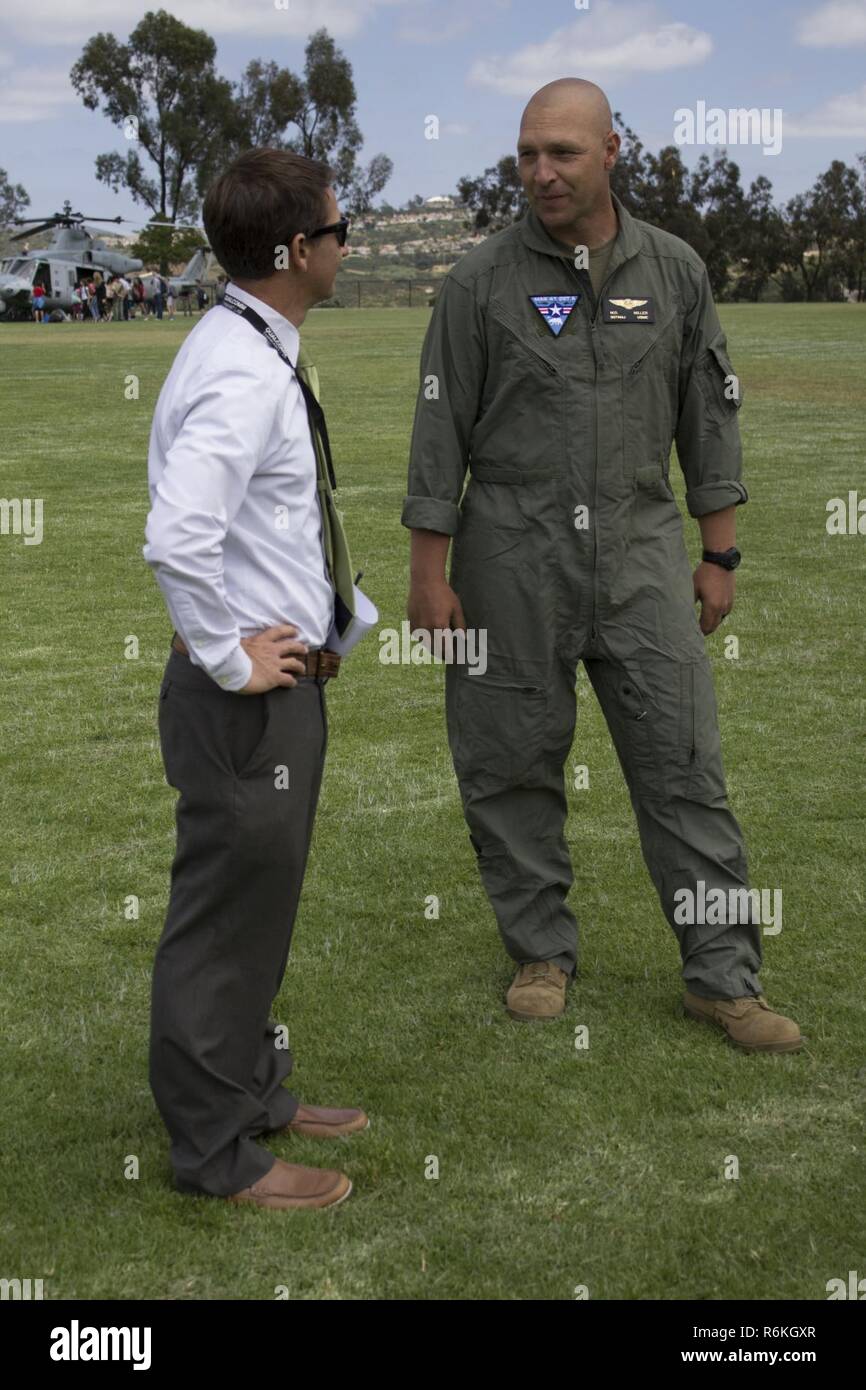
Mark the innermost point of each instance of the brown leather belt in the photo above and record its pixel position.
(321, 664)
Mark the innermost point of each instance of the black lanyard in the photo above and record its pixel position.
(315, 413)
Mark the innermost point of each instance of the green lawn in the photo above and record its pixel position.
(556, 1167)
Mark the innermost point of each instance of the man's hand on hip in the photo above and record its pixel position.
(714, 588)
(274, 654)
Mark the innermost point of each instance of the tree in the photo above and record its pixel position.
(761, 245)
(496, 198)
(326, 115)
(161, 88)
(267, 99)
(628, 178)
(842, 194)
(818, 225)
(815, 246)
(858, 233)
(366, 183)
(805, 242)
(13, 200)
(656, 188)
(668, 201)
(716, 195)
(166, 246)
(321, 107)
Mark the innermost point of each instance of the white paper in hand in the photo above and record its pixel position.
(366, 615)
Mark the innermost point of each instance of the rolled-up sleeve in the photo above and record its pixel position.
(453, 368)
(708, 432)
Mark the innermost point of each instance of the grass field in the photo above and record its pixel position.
(557, 1167)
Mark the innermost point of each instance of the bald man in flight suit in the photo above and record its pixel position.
(564, 357)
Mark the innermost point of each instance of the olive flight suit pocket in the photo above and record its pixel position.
(654, 520)
(719, 384)
(492, 526)
(650, 475)
(653, 480)
(700, 742)
(627, 710)
(532, 348)
(525, 383)
(662, 717)
(496, 729)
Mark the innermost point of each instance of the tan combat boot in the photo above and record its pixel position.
(748, 1022)
(537, 993)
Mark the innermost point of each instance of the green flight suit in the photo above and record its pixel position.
(545, 425)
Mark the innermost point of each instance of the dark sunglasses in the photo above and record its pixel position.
(340, 230)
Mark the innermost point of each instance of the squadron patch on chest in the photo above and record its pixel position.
(629, 310)
(554, 309)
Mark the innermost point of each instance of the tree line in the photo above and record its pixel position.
(183, 123)
(813, 247)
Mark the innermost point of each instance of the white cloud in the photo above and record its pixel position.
(430, 33)
(34, 94)
(62, 22)
(835, 25)
(602, 41)
(843, 116)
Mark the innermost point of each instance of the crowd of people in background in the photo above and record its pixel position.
(120, 297)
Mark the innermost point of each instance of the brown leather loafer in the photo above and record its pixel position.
(748, 1022)
(320, 1122)
(288, 1186)
(537, 992)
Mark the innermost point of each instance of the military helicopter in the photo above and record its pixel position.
(74, 255)
(192, 276)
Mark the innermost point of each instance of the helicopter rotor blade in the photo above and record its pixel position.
(66, 219)
(176, 226)
(33, 231)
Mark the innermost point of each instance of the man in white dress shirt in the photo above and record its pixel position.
(235, 540)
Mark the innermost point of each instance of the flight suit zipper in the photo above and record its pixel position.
(595, 302)
(593, 634)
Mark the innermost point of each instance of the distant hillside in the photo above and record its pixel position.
(411, 243)
(415, 246)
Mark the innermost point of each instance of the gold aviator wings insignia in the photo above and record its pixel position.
(628, 303)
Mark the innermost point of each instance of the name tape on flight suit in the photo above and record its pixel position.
(554, 309)
(629, 311)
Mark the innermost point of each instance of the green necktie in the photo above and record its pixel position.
(337, 557)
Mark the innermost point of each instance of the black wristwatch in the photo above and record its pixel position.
(728, 559)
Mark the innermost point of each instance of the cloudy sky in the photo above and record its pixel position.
(470, 63)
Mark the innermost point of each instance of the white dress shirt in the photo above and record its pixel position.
(234, 534)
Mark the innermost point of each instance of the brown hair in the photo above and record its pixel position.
(262, 200)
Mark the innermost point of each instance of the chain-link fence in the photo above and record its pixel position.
(353, 292)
